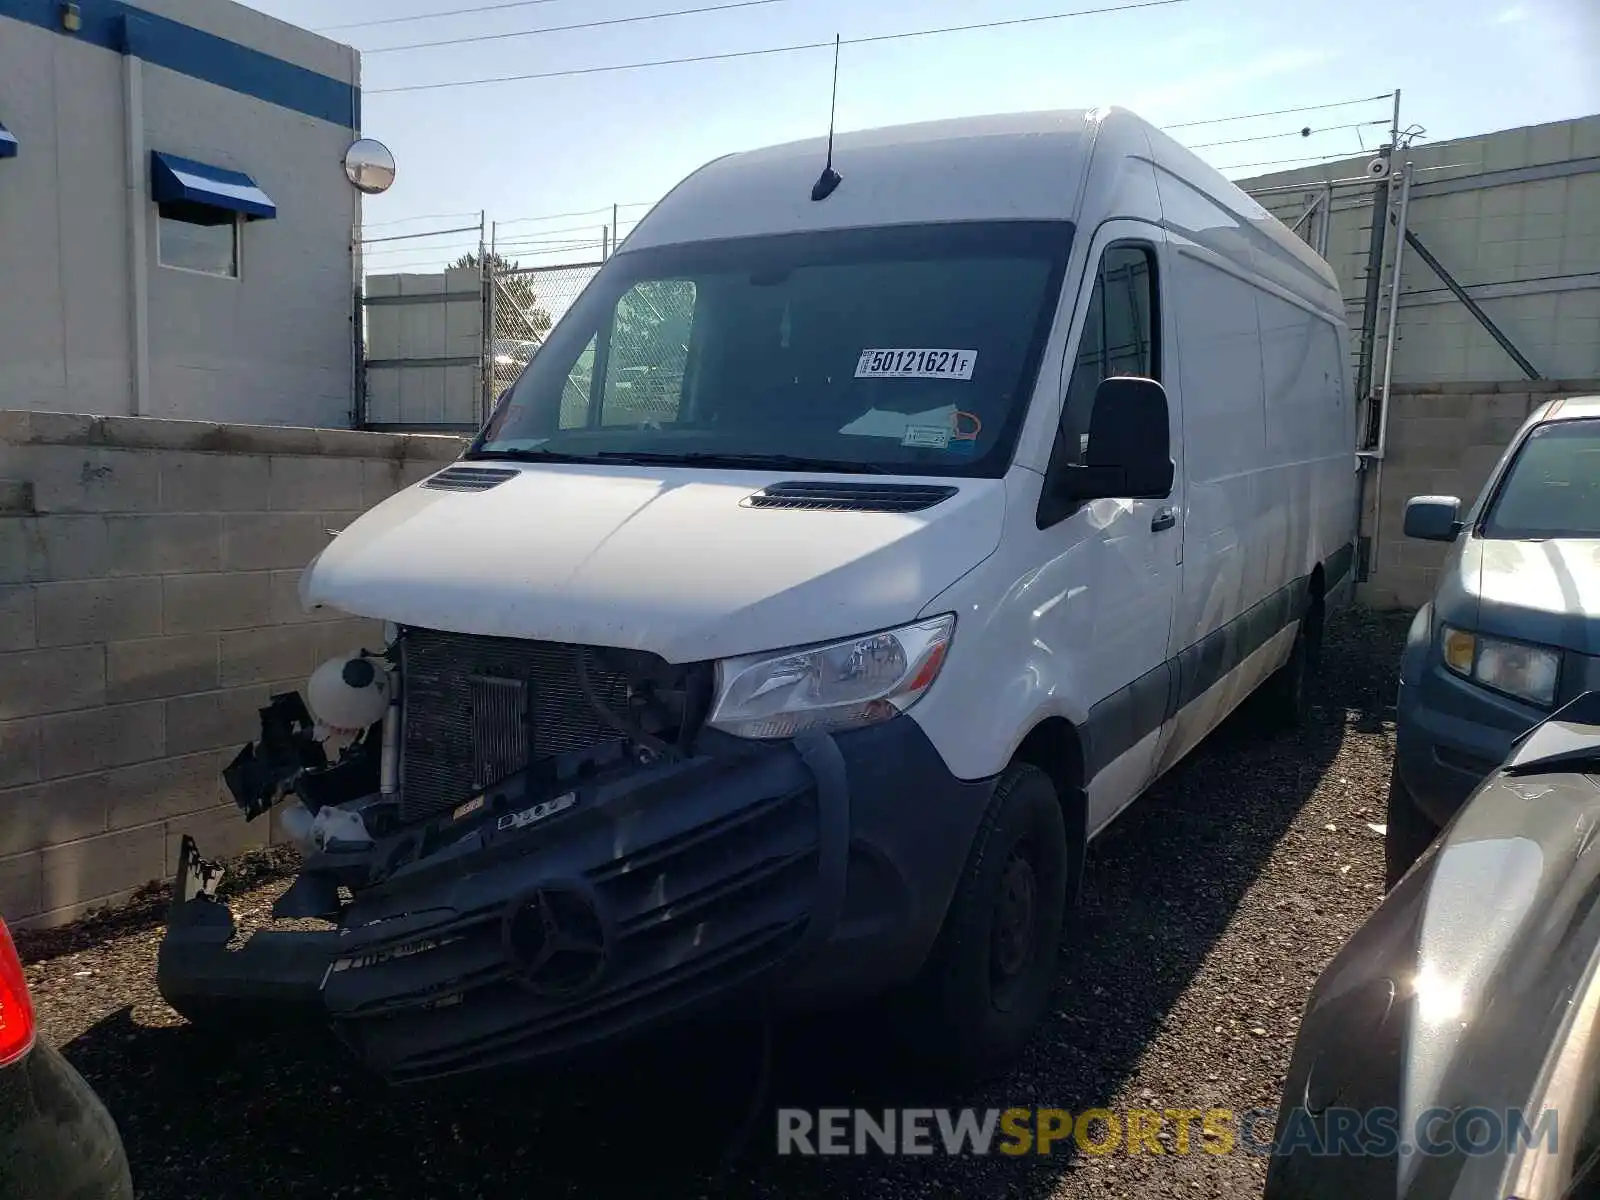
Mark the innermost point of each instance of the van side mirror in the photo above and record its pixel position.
(1433, 518)
(1130, 446)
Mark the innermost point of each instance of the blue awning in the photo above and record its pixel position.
(184, 180)
(8, 143)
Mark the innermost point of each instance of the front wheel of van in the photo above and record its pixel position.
(988, 980)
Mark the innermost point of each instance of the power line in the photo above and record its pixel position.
(1282, 112)
(522, 33)
(731, 54)
(1268, 137)
(429, 16)
(1309, 160)
(581, 213)
(424, 217)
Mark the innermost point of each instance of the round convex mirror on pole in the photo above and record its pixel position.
(369, 165)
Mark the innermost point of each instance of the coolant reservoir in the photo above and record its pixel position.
(347, 694)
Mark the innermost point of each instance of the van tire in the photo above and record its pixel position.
(1407, 835)
(988, 980)
(1285, 701)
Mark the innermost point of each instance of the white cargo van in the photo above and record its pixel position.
(834, 573)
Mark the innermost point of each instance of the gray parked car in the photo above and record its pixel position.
(1513, 629)
(1448, 1052)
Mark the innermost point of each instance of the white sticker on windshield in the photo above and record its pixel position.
(916, 364)
(936, 437)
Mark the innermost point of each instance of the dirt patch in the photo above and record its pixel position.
(1209, 910)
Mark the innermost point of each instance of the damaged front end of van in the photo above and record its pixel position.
(573, 857)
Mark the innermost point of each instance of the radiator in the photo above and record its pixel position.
(476, 709)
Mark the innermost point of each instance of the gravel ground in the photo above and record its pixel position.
(1208, 911)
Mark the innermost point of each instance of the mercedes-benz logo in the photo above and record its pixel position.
(556, 940)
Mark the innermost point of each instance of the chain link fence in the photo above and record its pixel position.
(524, 303)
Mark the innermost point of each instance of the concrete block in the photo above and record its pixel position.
(43, 814)
(231, 600)
(152, 668)
(68, 479)
(101, 867)
(264, 541)
(164, 544)
(16, 498)
(219, 720)
(16, 617)
(14, 550)
(286, 610)
(346, 635)
(206, 483)
(19, 752)
(380, 479)
(52, 548)
(97, 610)
(264, 655)
(220, 832)
(339, 521)
(315, 484)
(77, 742)
(21, 886)
(172, 787)
(58, 679)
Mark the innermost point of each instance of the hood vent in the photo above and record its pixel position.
(468, 479)
(850, 497)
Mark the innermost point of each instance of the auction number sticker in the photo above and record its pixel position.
(916, 364)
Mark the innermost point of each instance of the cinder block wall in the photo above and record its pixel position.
(1444, 439)
(148, 608)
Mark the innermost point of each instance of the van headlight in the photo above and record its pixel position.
(1515, 668)
(840, 685)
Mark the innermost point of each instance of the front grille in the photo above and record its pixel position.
(478, 709)
(703, 888)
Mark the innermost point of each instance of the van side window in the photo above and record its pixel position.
(1119, 337)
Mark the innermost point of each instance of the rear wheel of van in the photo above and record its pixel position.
(988, 980)
(1408, 833)
(1285, 700)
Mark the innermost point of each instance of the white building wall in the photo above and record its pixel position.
(1514, 216)
(274, 346)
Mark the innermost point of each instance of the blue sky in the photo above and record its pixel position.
(552, 146)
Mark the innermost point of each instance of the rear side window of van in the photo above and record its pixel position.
(1120, 337)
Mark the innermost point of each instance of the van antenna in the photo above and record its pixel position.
(829, 179)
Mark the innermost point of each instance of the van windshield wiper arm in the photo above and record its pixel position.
(710, 458)
(526, 454)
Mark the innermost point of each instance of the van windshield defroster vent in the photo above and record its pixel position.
(468, 479)
(851, 497)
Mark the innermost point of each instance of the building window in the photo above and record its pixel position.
(197, 237)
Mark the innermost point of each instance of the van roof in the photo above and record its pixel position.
(1010, 166)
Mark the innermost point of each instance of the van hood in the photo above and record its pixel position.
(1546, 591)
(666, 560)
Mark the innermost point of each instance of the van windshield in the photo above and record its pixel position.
(1552, 487)
(907, 349)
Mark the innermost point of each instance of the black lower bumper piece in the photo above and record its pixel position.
(273, 977)
(532, 924)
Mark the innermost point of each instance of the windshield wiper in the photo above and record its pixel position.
(527, 454)
(710, 458)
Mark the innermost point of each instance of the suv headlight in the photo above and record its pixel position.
(840, 685)
(1516, 668)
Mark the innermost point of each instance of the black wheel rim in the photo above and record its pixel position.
(1013, 934)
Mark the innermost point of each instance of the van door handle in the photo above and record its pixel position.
(1165, 519)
